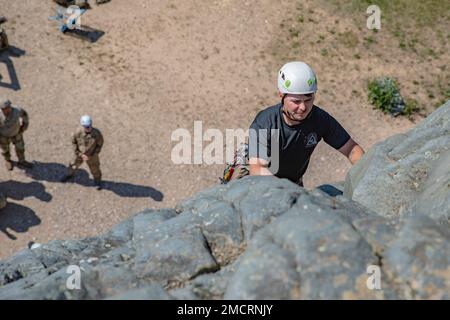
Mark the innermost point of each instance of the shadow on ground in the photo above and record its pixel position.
(5, 57)
(20, 190)
(53, 172)
(86, 33)
(17, 218)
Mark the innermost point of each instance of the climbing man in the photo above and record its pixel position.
(87, 142)
(13, 123)
(299, 125)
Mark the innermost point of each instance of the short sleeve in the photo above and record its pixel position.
(335, 135)
(259, 141)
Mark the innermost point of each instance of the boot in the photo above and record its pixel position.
(8, 165)
(98, 184)
(25, 164)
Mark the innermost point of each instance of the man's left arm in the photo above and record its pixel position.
(99, 144)
(352, 151)
(337, 137)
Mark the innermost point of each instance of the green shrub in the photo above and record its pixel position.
(385, 95)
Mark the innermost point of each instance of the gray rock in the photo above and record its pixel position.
(22, 265)
(398, 175)
(419, 259)
(209, 286)
(176, 258)
(51, 287)
(316, 253)
(20, 288)
(150, 218)
(222, 227)
(60, 253)
(151, 292)
(434, 200)
(259, 207)
(122, 232)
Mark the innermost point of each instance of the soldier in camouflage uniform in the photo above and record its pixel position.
(87, 142)
(13, 123)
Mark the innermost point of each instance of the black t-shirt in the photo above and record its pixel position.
(295, 143)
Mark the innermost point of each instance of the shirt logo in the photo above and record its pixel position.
(311, 139)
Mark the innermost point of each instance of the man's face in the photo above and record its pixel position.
(87, 129)
(6, 111)
(298, 106)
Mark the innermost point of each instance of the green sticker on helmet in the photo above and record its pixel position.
(311, 81)
(287, 83)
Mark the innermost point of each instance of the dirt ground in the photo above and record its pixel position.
(159, 66)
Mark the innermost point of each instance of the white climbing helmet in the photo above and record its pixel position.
(297, 78)
(86, 121)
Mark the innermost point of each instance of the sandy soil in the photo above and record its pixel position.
(160, 65)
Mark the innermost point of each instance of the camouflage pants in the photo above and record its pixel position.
(18, 143)
(93, 164)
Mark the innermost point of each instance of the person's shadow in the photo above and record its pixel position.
(86, 33)
(20, 190)
(5, 57)
(17, 218)
(53, 172)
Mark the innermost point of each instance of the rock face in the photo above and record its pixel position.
(267, 238)
(408, 173)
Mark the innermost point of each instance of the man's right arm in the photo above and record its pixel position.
(259, 167)
(23, 115)
(259, 144)
(75, 145)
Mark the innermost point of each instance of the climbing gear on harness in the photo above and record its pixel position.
(239, 167)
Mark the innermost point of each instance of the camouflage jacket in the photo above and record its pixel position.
(89, 144)
(10, 125)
